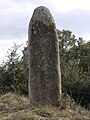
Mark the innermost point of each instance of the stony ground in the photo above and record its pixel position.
(16, 107)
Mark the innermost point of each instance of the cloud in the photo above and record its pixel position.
(77, 20)
(13, 20)
(14, 25)
(15, 16)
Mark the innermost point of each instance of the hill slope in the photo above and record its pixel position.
(16, 107)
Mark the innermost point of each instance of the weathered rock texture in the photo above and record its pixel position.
(44, 64)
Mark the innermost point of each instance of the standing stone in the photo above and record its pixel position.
(44, 64)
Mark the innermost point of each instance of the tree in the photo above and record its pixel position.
(75, 66)
(13, 72)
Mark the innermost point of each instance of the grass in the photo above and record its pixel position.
(16, 107)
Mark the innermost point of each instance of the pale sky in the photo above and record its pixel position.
(73, 15)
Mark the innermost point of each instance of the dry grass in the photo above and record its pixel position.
(11, 100)
(16, 107)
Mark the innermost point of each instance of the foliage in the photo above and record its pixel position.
(14, 73)
(75, 68)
